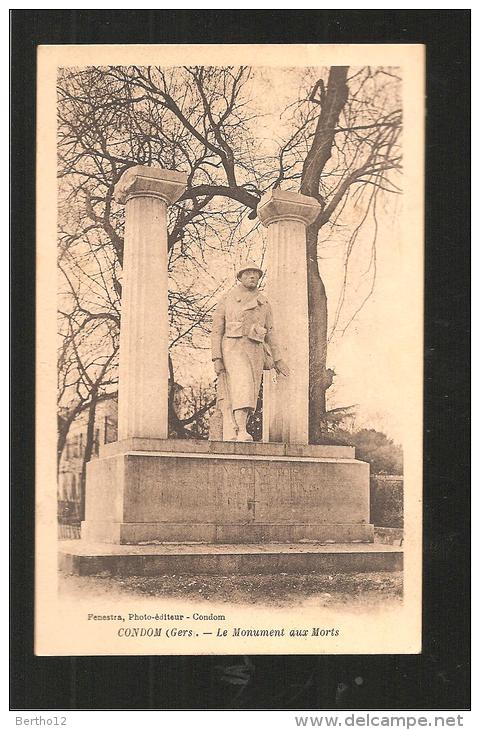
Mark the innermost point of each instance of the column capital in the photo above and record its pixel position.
(277, 205)
(150, 182)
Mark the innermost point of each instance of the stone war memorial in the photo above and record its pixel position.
(228, 505)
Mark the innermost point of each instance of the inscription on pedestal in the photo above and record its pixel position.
(199, 497)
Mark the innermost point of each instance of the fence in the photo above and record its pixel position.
(68, 519)
(386, 500)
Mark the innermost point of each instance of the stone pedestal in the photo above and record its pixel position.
(156, 490)
(144, 331)
(286, 215)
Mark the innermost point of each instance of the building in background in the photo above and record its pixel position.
(73, 455)
(71, 468)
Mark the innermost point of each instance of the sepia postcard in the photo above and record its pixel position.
(229, 349)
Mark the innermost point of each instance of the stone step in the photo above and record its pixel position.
(80, 558)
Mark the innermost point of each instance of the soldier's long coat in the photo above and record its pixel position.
(242, 323)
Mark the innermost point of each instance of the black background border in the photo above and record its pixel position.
(439, 678)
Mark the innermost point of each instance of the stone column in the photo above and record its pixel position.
(144, 329)
(286, 216)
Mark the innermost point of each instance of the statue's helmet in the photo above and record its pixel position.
(248, 266)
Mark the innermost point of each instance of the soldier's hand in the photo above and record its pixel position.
(282, 368)
(219, 366)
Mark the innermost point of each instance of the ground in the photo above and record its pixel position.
(355, 590)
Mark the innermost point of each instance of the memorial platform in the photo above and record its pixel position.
(78, 557)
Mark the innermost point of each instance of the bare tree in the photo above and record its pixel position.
(342, 147)
(89, 322)
(113, 118)
(345, 143)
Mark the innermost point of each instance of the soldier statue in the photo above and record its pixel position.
(243, 345)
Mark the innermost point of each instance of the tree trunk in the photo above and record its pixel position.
(317, 332)
(175, 427)
(89, 441)
(63, 427)
(332, 100)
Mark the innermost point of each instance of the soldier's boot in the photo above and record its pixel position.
(244, 436)
(240, 417)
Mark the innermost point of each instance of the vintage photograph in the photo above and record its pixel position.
(235, 283)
